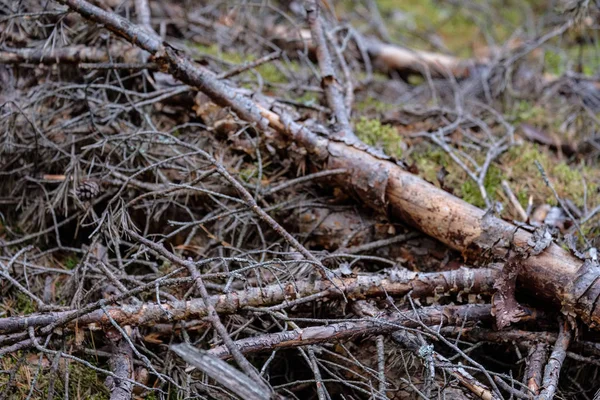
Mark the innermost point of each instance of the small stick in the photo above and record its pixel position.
(148, 66)
(533, 371)
(552, 371)
(345, 330)
(329, 81)
(249, 65)
(221, 372)
(121, 363)
(514, 201)
(561, 202)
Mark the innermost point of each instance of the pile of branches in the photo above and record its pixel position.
(176, 223)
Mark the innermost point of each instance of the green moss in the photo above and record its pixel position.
(554, 63)
(471, 194)
(523, 198)
(517, 166)
(71, 261)
(565, 173)
(429, 160)
(461, 29)
(84, 383)
(216, 51)
(526, 111)
(567, 179)
(469, 190)
(374, 133)
(583, 57)
(371, 104)
(269, 71)
(24, 305)
(307, 98)
(246, 174)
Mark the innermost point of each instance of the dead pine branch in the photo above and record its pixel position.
(398, 283)
(370, 326)
(71, 55)
(535, 364)
(329, 81)
(555, 362)
(121, 363)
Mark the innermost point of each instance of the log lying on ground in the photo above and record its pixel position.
(554, 274)
(392, 57)
(387, 57)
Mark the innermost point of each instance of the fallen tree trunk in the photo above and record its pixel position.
(554, 274)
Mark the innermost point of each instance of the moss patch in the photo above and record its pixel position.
(517, 166)
(528, 112)
(460, 29)
(469, 190)
(370, 104)
(584, 59)
(24, 304)
(84, 383)
(71, 261)
(374, 133)
(269, 71)
(430, 161)
(526, 180)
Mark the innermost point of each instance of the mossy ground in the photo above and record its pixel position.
(573, 179)
(517, 166)
(274, 72)
(84, 383)
(384, 137)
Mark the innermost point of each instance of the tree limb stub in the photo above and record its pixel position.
(552, 275)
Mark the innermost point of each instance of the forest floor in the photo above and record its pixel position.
(291, 199)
